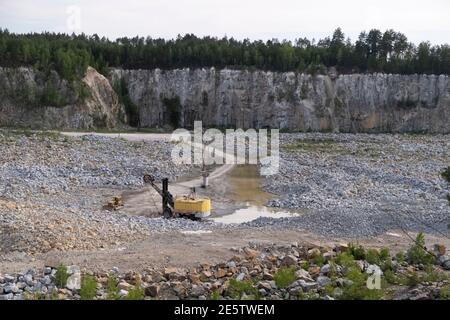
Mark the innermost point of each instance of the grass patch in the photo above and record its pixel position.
(215, 295)
(61, 276)
(137, 293)
(236, 289)
(88, 288)
(444, 292)
(112, 291)
(359, 290)
(284, 277)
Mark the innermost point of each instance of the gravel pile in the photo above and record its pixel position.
(53, 188)
(360, 185)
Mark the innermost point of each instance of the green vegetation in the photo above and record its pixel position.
(61, 276)
(357, 251)
(131, 109)
(284, 277)
(41, 296)
(215, 295)
(373, 51)
(444, 293)
(236, 289)
(88, 288)
(325, 145)
(359, 290)
(318, 260)
(417, 254)
(173, 107)
(446, 174)
(112, 291)
(136, 293)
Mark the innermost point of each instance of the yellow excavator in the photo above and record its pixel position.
(190, 206)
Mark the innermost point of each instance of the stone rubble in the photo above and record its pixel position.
(258, 270)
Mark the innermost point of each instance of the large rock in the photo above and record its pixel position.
(100, 109)
(74, 280)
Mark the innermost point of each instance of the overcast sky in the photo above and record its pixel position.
(254, 19)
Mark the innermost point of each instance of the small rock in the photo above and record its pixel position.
(123, 293)
(240, 276)
(74, 281)
(326, 268)
(314, 252)
(152, 290)
(250, 253)
(304, 275)
(267, 276)
(307, 286)
(289, 261)
(323, 281)
(123, 285)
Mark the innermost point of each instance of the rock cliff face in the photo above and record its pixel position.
(28, 99)
(230, 98)
(244, 99)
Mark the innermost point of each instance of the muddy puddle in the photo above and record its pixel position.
(245, 187)
(236, 193)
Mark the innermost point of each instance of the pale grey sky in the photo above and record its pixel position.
(254, 19)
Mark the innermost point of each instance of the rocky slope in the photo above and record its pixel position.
(345, 103)
(31, 99)
(272, 272)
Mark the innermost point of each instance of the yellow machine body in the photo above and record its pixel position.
(201, 207)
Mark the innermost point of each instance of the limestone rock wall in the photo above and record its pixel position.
(292, 101)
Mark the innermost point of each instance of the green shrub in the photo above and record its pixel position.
(319, 260)
(417, 254)
(112, 291)
(433, 275)
(444, 292)
(400, 257)
(284, 277)
(411, 278)
(357, 251)
(391, 277)
(236, 289)
(359, 290)
(345, 259)
(305, 265)
(446, 174)
(137, 293)
(215, 295)
(373, 257)
(88, 288)
(61, 276)
(385, 254)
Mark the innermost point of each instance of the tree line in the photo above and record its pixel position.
(373, 51)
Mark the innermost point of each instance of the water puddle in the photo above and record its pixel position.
(196, 232)
(252, 213)
(245, 186)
